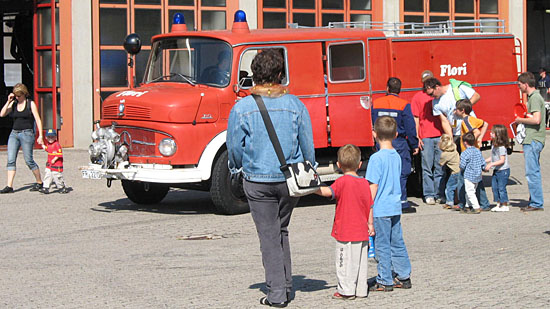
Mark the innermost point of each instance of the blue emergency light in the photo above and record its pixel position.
(240, 16)
(178, 19)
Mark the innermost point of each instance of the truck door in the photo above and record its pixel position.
(303, 77)
(347, 74)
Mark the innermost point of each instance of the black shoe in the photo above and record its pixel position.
(64, 190)
(6, 190)
(266, 302)
(36, 186)
(44, 190)
(409, 210)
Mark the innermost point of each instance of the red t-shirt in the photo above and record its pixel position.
(54, 150)
(353, 203)
(429, 125)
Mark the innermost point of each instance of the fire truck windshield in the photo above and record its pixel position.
(192, 60)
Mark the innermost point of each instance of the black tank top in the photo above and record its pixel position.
(23, 120)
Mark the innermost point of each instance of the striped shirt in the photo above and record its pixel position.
(472, 163)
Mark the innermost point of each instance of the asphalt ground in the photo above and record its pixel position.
(93, 248)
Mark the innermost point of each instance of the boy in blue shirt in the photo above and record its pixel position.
(383, 174)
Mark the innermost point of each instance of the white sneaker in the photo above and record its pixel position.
(500, 208)
(430, 201)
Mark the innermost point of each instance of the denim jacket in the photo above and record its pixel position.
(248, 144)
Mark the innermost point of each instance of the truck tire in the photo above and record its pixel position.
(144, 192)
(227, 195)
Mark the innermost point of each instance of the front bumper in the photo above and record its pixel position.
(158, 173)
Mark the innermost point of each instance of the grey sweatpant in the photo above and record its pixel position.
(351, 267)
(271, 208)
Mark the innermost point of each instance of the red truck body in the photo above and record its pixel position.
(330, 70)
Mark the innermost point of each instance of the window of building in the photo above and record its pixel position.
(346, 62)
(315, 13)
(47, 66)
(115, 19)
(422, 11)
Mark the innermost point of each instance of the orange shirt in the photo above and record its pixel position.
(469, 123)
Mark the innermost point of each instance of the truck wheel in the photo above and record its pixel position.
(227, 195)
(144, 192)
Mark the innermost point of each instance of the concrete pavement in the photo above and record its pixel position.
(93, 248)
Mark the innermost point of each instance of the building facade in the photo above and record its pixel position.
(78, 58)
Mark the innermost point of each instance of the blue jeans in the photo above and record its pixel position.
(21, 139)
(481, 194)
(499, 182)
(531, 153)
(452, 184)
(432, 172)
(390, 250)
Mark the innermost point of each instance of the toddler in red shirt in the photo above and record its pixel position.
(353, 224)
(54, 166)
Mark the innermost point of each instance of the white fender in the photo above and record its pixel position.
(206, 161)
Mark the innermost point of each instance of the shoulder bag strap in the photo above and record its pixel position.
(270, 130)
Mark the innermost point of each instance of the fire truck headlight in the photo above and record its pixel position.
(167, 147)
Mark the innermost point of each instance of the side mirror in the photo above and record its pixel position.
(132, 44)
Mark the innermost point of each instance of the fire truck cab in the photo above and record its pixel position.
(170, 130)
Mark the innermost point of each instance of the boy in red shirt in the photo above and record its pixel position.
(54, 166)
(353, 224)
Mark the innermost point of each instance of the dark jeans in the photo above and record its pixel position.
(499, 182)
(271, 208)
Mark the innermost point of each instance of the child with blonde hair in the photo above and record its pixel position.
(501, 168)
(451, 160)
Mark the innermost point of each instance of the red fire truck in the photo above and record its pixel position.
(170, 130)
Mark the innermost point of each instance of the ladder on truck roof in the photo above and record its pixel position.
(449, 27)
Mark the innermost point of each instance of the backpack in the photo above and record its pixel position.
(455, 84)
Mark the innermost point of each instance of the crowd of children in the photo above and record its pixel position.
(465, 168)
(371, 206)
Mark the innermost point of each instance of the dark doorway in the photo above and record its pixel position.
(538, 35)
(16, 44)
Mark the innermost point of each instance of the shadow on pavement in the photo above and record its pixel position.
(518, 203)
(299, 283)
(176, 202)
(314, 200)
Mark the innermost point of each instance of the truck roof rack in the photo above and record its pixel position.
(448, 27)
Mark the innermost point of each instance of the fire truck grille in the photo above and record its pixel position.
(140, 142)
(133, 112)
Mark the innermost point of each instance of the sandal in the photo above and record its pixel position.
(381, 288)
(266, 302)
(337, 295)
(402, 284)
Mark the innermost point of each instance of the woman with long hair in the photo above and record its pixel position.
(25, 116)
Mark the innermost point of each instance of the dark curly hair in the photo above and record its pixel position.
(267, 67)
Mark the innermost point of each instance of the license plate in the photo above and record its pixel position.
(91, 174)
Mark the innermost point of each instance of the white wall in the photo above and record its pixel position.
(516, 23)
(391, 11)
(82, 73)
(250, 7)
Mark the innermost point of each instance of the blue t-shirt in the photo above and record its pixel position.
(384, 169)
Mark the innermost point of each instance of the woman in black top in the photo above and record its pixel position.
(25, 115)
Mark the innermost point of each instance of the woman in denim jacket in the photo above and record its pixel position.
(252, 154)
